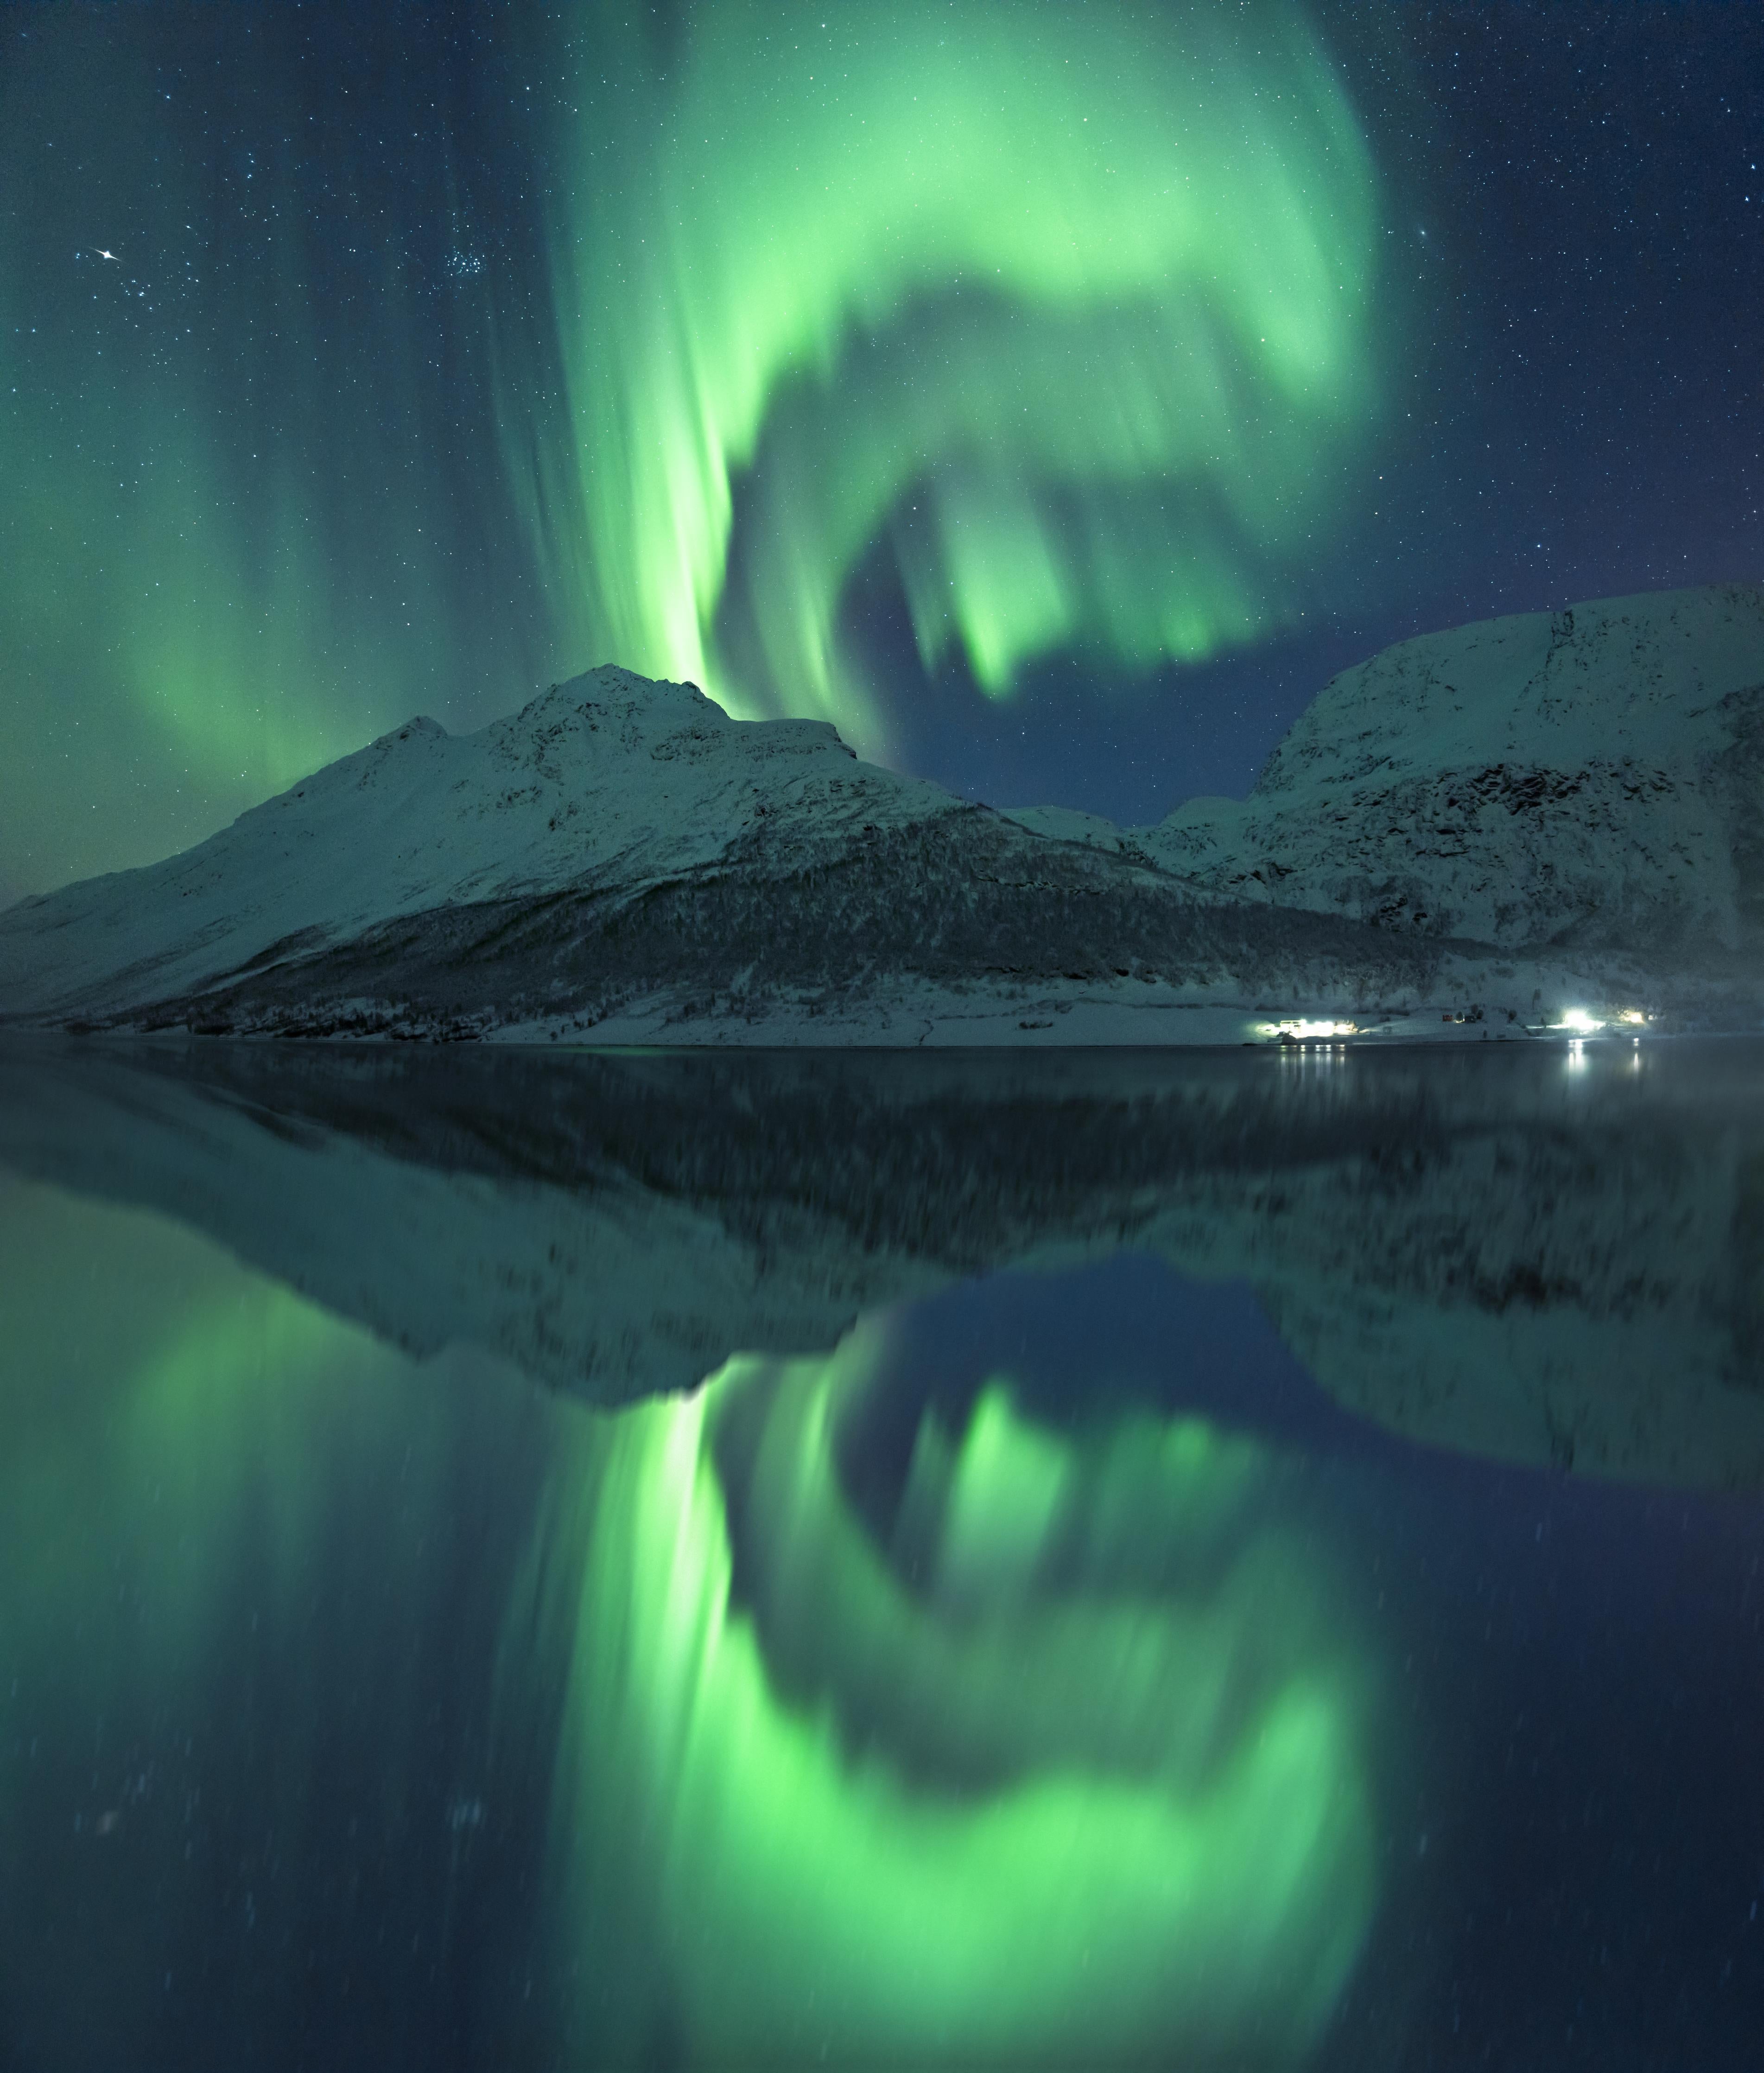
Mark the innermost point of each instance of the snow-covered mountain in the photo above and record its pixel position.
(622, 857)
(1497, 823)
(1593, 778)
(610, 781)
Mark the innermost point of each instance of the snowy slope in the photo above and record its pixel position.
(608, 780)
(621, 856)
(1593, 779)
(1517, 817)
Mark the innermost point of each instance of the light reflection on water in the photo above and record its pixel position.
(1047, 1671)
(1070, 1765)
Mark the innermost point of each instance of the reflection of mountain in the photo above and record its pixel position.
(1538, 1257)
(643, 1725)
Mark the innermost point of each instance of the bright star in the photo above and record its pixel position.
(109, 255)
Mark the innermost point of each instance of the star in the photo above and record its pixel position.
(103, 254)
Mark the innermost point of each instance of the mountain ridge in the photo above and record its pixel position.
(1529, 755)
(1505, 818)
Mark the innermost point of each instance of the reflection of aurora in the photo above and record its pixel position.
(1071, 1771)
(1070, 317)
(227, 1543)
(1063, 1758)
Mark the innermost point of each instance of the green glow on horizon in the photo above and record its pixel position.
(1096, 1789)
(230, 540)
(1071, 314)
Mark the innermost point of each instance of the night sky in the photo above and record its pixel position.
(1054, 397)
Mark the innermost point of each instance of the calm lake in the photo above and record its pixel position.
(562, 1559)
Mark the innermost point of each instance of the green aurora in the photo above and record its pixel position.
(1062, 321)
(1073, 1758)
(1071, 314)
(235, 455)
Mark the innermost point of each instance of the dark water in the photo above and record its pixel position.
(1219, 1561)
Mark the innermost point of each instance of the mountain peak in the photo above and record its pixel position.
(1586, 783)
(1614, 676)
(612, 690)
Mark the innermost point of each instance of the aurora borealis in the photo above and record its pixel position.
(1041, 1654)
(1050, 400)
(1068, 318)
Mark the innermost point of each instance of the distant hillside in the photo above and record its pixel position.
(1592, 779)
